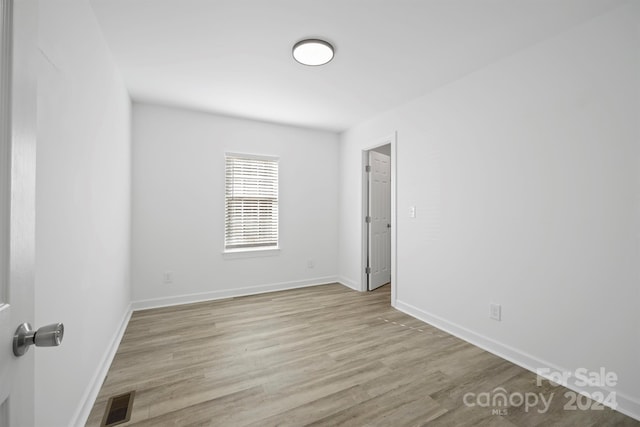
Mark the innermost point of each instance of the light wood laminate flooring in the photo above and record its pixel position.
(321, 356)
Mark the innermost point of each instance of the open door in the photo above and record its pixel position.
(379, 220)
(18, 32)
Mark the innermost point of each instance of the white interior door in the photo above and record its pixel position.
(379, 220)
(17, 204)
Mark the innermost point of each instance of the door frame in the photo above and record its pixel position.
(393, 141)
(18, 203)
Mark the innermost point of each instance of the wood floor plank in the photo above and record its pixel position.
(322, 356)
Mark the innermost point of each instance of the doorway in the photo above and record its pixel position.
(378, 207)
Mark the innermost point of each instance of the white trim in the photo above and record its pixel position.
(349, 283)
(394, 217)
(6, 43)
(91, 393)
(252, 156)
(627, 405)
(250, 252)
(393, 141)
(364, 209)
(229, 293)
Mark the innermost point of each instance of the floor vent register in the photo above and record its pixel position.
(118, 409)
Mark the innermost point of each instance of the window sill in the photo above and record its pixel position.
(250, 253)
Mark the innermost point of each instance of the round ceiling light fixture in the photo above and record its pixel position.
(313, 52)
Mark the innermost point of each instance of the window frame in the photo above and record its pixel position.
(249, 250)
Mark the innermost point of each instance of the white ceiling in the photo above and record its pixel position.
(234, 56)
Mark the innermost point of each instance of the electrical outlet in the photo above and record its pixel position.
(168, 277)
(412, 211)
(310, 264)
(495, 312)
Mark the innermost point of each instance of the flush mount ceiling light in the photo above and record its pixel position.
(313, 52)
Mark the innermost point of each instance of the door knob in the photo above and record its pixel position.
(46, 336)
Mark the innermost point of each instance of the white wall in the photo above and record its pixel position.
(82, 207)
(178, 206)
(525, 176)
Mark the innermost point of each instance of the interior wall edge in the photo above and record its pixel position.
(95, 384)
(229, 293)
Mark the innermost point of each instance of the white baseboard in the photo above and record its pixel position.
(626, 404)
(228, 293)
(349, 283)
(91, 393)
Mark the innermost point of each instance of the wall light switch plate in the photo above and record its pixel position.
(495, 312)
(168, 277)
(412, 211)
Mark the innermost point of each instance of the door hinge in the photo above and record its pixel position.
(367, 270)
(367, 168)
(367, 219)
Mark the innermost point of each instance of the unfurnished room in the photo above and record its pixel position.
(319, 213)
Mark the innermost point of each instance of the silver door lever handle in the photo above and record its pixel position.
(46, 336)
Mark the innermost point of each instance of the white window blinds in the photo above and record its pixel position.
(251, 202)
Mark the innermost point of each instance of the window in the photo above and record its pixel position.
(251, 202)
